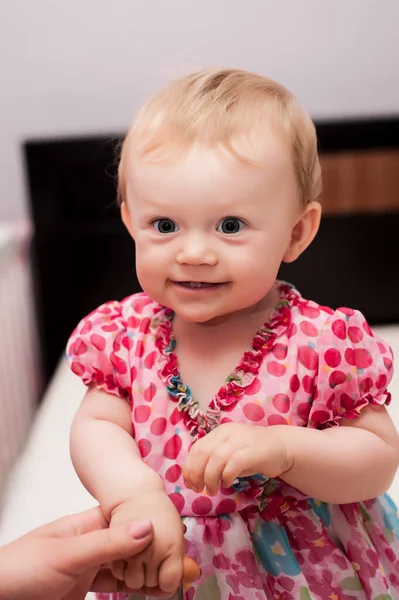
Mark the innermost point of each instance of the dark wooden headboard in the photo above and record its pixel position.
(82, 256)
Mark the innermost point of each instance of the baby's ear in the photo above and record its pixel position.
(304, 231)
(126, 218)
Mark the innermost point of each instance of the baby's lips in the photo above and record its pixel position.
(191, 571)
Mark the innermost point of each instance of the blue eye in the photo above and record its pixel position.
(230, 225)
(165, 225)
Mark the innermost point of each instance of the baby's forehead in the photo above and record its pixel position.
(206, 178)
(259, 147)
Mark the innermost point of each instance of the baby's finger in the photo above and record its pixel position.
(209, 442)
(239, 462)
(105, 582)
(151, 574)
(214, 469)
(170, 574)
(117, 569)
(193, 470)
(135, 573)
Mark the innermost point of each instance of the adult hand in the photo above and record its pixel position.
(62, 560)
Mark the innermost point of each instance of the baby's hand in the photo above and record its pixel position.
(234, 450)
(161, 564)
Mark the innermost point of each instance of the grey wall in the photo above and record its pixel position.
(84, 66)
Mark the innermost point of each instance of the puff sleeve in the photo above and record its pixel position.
(98, 350)
(355, 368)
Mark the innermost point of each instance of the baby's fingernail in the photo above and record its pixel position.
(140, 529)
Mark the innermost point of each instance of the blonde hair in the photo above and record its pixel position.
(211, 107)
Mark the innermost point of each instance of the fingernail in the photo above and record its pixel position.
(140, 529)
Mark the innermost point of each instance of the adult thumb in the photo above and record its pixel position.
(77, 554)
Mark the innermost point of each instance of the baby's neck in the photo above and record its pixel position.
(230, 326)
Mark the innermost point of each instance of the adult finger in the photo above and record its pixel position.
(89, 520)
(77, 554)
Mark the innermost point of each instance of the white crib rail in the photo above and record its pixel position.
(19, 380)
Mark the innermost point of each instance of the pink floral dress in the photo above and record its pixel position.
(309, 366)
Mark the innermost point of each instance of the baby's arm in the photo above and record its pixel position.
(104, 453)
(353, 462)
(108, 462)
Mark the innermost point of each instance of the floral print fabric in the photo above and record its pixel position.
(309, 366)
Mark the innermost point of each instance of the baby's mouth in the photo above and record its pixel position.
(196, 284)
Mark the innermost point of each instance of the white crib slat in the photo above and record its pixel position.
(19, 373)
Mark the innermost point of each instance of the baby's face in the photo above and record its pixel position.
(211, 231)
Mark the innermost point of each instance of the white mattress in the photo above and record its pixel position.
(43, 484)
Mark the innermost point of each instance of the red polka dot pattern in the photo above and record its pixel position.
(309, 329)
(276, 369)
(173, 473)
(307, 309)
(355, 334)
(314, 367)
(294, 383)
(254, 387)
(98, 342)
(281, 402)
(332, 357)
(336, 378)
(145, 447)
(225, 507)
(158, 426)
(141, 414)
(308, 384)
(172, 447)
(308, 357)
(304, 410)
(280, 351)
(178, 501)
(176, 417)
(128, 343)
(253, 412)
(339, 329)
(202, 506)
(149, 393)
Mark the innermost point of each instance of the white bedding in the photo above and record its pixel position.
(43, 485)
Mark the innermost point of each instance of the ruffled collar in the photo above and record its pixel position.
(198, 421)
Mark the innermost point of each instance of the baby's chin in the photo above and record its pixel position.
(197, 313)
(205, 318)
(200, 311)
